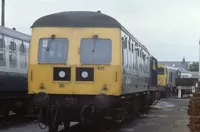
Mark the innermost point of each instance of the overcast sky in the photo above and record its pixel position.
(170, 29)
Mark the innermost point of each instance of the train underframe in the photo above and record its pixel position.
(98, 112)
(18, 103)
(167, 91)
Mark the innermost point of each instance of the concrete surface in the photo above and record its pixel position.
(167, 115)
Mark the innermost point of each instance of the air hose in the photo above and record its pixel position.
(39, 124)
(82, 113)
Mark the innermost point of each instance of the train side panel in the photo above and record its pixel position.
(13, 60)
(136, 65)
(14, 50)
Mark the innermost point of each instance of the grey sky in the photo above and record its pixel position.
(170, 29)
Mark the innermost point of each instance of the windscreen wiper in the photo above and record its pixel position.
(94, 42)
(50, 42)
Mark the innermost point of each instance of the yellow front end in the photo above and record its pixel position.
(162, 77)
(107, 77)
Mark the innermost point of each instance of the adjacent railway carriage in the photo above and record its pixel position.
(14, 48)
(167, 79)
(86, 65)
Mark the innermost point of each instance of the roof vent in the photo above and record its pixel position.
(99, 11)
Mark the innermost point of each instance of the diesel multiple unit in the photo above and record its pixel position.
(86, 67)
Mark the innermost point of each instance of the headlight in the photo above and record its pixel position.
(61, 74)
(84, 74)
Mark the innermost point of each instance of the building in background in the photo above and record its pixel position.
(179, 64)
(182, 65)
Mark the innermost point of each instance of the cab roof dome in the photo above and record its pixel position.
(77, 19)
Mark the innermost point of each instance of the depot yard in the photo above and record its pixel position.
(166, 115)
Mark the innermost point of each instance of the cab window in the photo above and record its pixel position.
(95, 51)
(53, 50)
(160, 71)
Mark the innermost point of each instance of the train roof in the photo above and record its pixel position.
(183, 70)
(77, 19)
(178, 68)
(14, 34)
(81, 19)
(171, 67)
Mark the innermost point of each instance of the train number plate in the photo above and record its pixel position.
(100, 68)
(62, 85)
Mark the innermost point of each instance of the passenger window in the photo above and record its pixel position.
(13, 54)
(132, 47)
(22, 48)
(2, 52)
(141, 53)
(125, 42)
(95, 51)
(12, 46)
(2, 43)
(124, 53)
(129, 44)
(23, 63)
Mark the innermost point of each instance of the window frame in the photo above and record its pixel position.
(161, 73)
(13, 52)
(3, 49)
(98, 63)
(67, 45)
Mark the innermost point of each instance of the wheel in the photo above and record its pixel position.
(55, 128)
(134, 109)
(21, 112)
(66, 125)
(99, 123)
(85, 118)
(5, 111)
(121, 117)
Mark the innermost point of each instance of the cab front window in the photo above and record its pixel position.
(53, 50)
(95, 51)
(160, 71)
